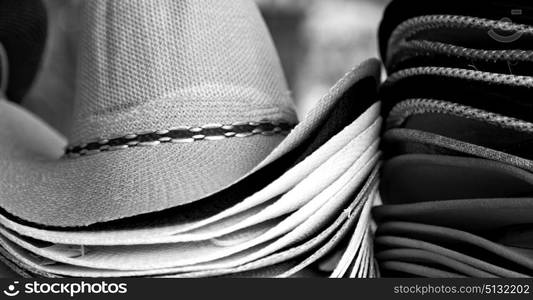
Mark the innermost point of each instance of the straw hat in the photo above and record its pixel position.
(175, 102)
(190, 94)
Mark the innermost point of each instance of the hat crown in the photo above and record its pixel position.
(157, 64)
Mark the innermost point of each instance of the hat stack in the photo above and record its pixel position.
(457, 184)
(185, 158)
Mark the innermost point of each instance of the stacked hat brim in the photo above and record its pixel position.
(253, 227)
(457, 180)
(180, 162)
(250, 227)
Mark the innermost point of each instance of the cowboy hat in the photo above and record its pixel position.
(404, 141)
(152, 89)
(348, 103)
(345, 221)
(365, 125)
(294, 184)
(110, 107)
(297, 225)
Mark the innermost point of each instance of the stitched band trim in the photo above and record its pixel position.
(183, 134)
(456, 73)
(412, 27)
(408, 108)
(423, 48)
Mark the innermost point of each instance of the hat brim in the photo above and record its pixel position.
(414, 178)
(306, 221)
(481, 131)
(429, 258)
(397, 242)
(458, 239)
(417, 270)
(408, 141)
(467, 214)
(337, 226)
(39, 188)
(306, 253)
(292, 185)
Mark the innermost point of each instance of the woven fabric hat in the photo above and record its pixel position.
(175, 101)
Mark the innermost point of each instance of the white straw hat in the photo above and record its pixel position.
(190, 94)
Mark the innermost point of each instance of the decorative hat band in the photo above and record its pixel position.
(182, 134)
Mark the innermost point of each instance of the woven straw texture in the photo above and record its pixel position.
(150, 65)
(155, 65)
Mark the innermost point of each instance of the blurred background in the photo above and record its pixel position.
(318, 42)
